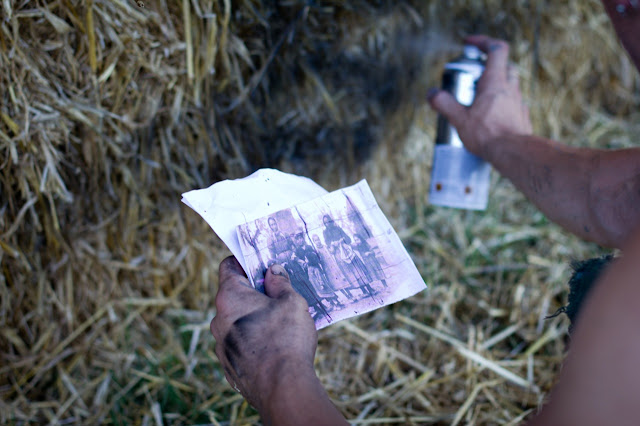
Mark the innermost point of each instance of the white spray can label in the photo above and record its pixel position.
(458, 178)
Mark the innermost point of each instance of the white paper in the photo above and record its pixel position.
(227, 204)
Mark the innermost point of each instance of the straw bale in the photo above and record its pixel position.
(111, 108)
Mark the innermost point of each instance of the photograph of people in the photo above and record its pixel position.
(332, 271)
(321, 245)
(351, 265)
(310, 261)
(282, 251)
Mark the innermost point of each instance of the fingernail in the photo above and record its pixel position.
(278, 270)
(431, 93)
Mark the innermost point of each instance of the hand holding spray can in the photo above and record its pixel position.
(459, 178)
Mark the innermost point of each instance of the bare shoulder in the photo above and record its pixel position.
(600, 381)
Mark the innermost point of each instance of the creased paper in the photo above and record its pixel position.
(339, 249)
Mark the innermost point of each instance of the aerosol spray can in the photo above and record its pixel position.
(459, 178)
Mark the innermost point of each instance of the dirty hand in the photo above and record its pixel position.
(498, 109)
(261, 340)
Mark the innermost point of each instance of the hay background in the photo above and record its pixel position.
(110, 110)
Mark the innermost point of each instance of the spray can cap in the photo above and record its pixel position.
(472, 52)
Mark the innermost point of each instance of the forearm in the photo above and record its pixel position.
(552, 176)
(298, 398)
(594, 194)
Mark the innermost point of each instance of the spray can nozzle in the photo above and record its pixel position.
(472, 52)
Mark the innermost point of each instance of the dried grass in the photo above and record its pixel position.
(110, 110)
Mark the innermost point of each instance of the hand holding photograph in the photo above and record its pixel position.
(340, 251)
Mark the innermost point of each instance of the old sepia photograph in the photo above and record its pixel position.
(340, 251)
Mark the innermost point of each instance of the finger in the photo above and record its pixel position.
(513, 76)
(231, 266)
(231, 273)
(277, 282)
(230, 380)
(528, 129)
(480, 40)
(234, 294)
(228, 353)
(497, 55)
(228, 374)
(219, 351)
(447, 105)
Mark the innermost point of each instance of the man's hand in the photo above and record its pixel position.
(261, 339)
(592, 193)
(497, 111)
(266, 344)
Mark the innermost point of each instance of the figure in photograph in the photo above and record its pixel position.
(332, 271)
(369, 258)
(310, 261)
(279, 244)
(282, 250)
(355, 217)
(352, 266)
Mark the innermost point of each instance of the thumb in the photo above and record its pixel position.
(277, 282)
(444, 102)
